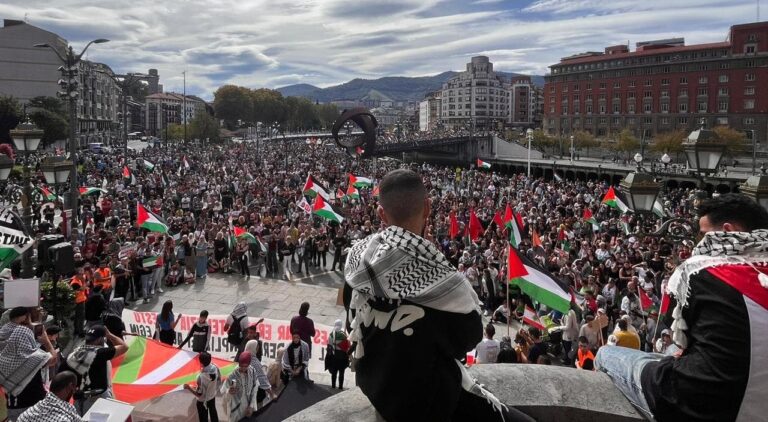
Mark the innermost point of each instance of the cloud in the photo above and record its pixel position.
(272, 43)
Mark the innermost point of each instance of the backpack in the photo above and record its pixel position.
(235, 333)
(80, 361)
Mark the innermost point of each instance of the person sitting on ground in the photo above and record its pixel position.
(56, 406)
(428, 308)
(296, 359)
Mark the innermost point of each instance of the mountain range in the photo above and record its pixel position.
(396, 88)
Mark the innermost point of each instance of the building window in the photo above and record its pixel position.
(752, 38)
(749, 77)
(665, 107)
(589, 108)
(631, 95)
(749, 104)
(665, 81)
(683, 80)
(749, 49)
(682, 107)
(664, 120)
(602, 85)
(647, 108)
(723, 65)
(589, 85)
(631, 121)
(722, 91)
(682, 120)
(631, 108)
(749, 121)
(588, 121)
(683, 92)
(632, 83)
(603, 120)
(703, 80)
(665, 93)
(648, 94)
(576, 87)
(701, 107)
(722, 106)
(617, 84)
(602, 108)
(750, 90)
(723, 79)
(648, 120)
(722, 121)
(616, 121)
(649, 82)
(616, 109)
(702, 91)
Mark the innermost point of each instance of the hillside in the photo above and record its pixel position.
(398, 88)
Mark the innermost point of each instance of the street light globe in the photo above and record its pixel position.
(638, 158)
(529, 132)
(665, 158)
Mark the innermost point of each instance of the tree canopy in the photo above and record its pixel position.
(10, 117)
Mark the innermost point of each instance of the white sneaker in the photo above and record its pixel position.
(162, 291)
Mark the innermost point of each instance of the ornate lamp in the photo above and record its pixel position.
(26, 137)
(756, 187)
(704, 149)
(56, 170)
(640, 190)
(6, 165)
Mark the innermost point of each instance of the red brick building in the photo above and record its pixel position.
(662, 86)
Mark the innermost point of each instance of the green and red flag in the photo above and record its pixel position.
(536, 240)
(475, 226)
(313, 188)
(360, 181)
(589, 218)
(128, 175)
(511, 225)
(148, 166)
(482, 164)
(531, 319)
(47, 194)
(352, 192)
(562, 238)
(85, 191)
(376, 190)
(150, 369)
(536, 282)
(325, 210)
(152, 261)
(613, 201)
(146, 219)
(453, 231)
(242, 233)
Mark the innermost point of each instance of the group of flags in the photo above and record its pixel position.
(321, 195)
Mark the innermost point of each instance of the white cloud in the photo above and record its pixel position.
(323, 42)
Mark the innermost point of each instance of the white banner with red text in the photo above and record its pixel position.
(273, 333)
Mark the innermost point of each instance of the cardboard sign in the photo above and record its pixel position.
(25, 292)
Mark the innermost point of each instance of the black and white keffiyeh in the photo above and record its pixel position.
(715, 249)
(20, 357)
(50, 409)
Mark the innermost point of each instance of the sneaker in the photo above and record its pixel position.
(159, 289)
(151, 292)
(146, 300)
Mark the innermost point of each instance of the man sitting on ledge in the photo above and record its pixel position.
(415, 316)
(720, 322)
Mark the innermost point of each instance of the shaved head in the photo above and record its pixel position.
(402, 195)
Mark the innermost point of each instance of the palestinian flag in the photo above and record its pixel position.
(645, 300)
(15, 238)
(360, 181)
(376, 190)
(589, 218)
(326, 210)
(150, 369)
(536, 240)
(536, 282)
(482, 164)
(47, 194)
(148, 220)
(84, 191)
(242, 233)
(340, 194)
(562, 237)
(454, 228)
(128, 175)
(513, 230)
(496, 220)
(658, 209)
(148, 166)
(531, 319)
(313, 188)
(352, 192)
(152, 261)
(613, 201)
(475, 226)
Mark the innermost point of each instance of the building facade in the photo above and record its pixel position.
(163, 109)
(476, 98)
(429, 112)
(663, 86)
(27, 72)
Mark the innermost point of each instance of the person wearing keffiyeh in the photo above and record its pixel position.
(55, 407)
(405, 297)
(720, 323)
(241, 390)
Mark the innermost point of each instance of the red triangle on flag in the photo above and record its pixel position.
(587, 214)
(508, 214)
(238, 231)
(497, 219)
(515, 267)
(475, 226)
(454, 229)
(645, 301)
(664, 304)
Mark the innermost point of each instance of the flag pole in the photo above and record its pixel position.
(509, 317)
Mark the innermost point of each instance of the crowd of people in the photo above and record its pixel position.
(206, 192)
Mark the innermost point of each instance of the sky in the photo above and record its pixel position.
(273, 43)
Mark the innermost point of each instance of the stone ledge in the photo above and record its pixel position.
(546, 393)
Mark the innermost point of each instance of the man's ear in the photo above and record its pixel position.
(731, 227)
(382, 215)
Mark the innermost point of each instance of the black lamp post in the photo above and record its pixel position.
(640, 190)
(56, 172)
(704, 149)
(26, 138)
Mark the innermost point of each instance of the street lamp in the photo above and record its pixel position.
(704, 150)
(571, 147)
(665, 159)
(26, 138)
(639, 161)
(529, 135)
(6, 165)
(55, 170)
(69, 84)
(641, 191)
(756, 187)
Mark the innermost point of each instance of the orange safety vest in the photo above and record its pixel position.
(584, 356)
(103, 278)
(81, 295)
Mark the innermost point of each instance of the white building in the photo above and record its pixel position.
(167, 108)
(476, 98)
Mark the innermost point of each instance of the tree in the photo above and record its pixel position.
(669, 142)
(584, 140)
(268, 107)
(627, 142)
(541, 140)
(204, 126)
(50, 115)
(733, 139)
(233, 103)
(327, 114)
(175, 132)
(10, 117)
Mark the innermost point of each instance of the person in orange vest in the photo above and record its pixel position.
(103, 277)
(586, 359)
(80, 287)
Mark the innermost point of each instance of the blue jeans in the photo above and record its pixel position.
(624, 366)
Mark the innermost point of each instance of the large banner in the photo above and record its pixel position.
(273, 333)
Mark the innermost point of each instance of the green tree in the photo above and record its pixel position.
(50, 115)
(327, 114)
(10, 117)
(669, 142)
(204, 126)
(734, 140)
(269, 107)
(541, 140)
(584, 140)
(626, 143)
(175, 132)
(233, 103)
